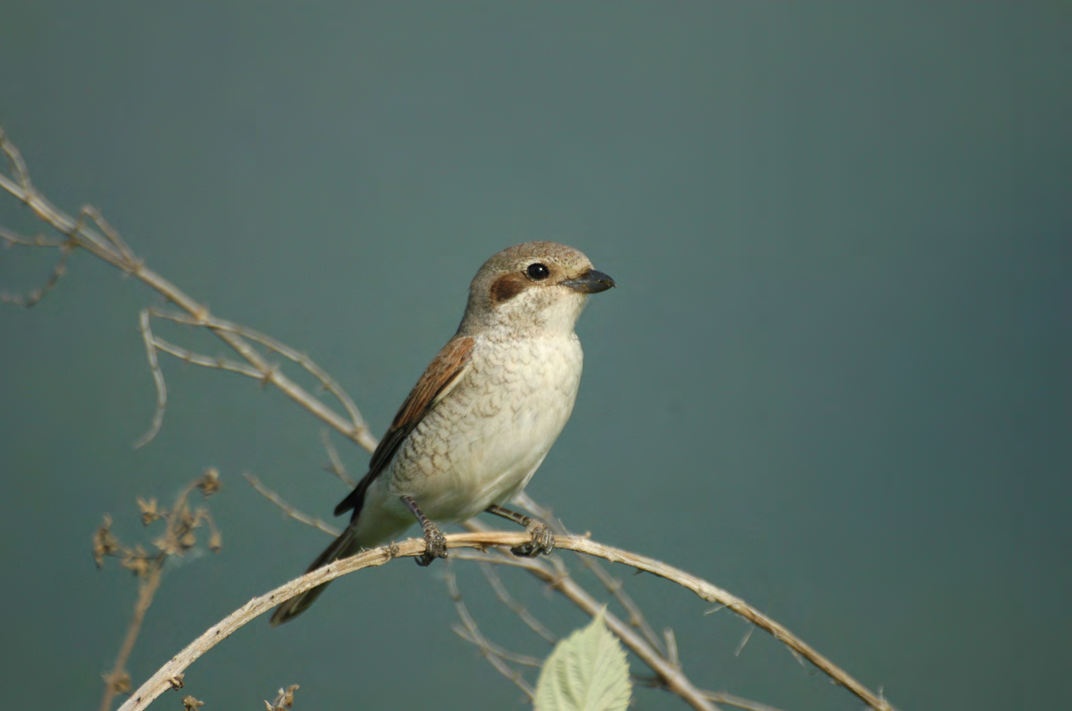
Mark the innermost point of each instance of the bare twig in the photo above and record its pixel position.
(288, 509)
(721, 697)
(158, 683)
(554, 574)
(514, 606)
(671, 647)
(617, 589)
(105, 243)
(614, 586)
(515, 657)
(37, 294)
(473, 634)
(12, 238)
(158, 380)
(178, 537)
(337, 467)
(118, 680)
(326, 381)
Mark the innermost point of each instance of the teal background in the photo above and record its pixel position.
(834, 379)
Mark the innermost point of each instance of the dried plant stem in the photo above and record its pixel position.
(159, 682)
(177, 538)
(514, 606)
(637, 620)
(289, 510)
(105, 243)
(554, 573)
(499, 659)
(114, 680)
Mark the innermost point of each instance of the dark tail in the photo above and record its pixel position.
(341, 547)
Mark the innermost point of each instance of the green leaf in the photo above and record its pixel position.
(586, 671)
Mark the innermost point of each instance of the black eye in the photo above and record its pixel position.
(538, 271)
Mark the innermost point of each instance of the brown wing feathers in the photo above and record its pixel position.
(440, 373)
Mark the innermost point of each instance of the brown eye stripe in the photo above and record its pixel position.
(507, 287)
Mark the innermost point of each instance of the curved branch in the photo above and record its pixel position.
(161, 681)
(106, 244)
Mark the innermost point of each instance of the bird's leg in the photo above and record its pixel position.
(543, 538)
(434, 541)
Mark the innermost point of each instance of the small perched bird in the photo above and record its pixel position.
(484, 414)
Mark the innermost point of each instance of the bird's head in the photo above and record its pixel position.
(535, 285)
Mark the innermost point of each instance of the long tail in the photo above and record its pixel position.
(341, 547)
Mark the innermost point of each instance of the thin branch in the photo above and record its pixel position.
(326, 381)
(721, 697)
(337, 467)
(14, 238)
(158, 380)
(37, 294)
(559, 579)
(177, 539)
(204, 361)
(474, 635)
(288, 509)
(488, 648)
(117, 680)
(515, 657)
(111, 248)
(617, 589)
(614, 586)
(671, 647)
(555, 574)
(516, 607)
(158, 683)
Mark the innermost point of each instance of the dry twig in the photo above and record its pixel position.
(177, 539)
(289, 510)
(90, 231)
(158, 683)
(471, 632)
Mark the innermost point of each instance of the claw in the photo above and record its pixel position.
(435, 543)
(435, 546)
(543, 541)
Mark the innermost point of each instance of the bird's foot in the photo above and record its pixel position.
(435, 545)
(543, 541)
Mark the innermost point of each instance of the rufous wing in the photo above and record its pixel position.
(438, 378)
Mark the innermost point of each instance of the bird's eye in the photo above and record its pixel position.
(538, 271)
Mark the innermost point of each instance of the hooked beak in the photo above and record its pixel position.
(591, 282)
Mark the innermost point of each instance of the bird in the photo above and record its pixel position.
(483, 415)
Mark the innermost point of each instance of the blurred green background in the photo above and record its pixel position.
(834, 379)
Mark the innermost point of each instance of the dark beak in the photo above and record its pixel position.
(591, 282)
